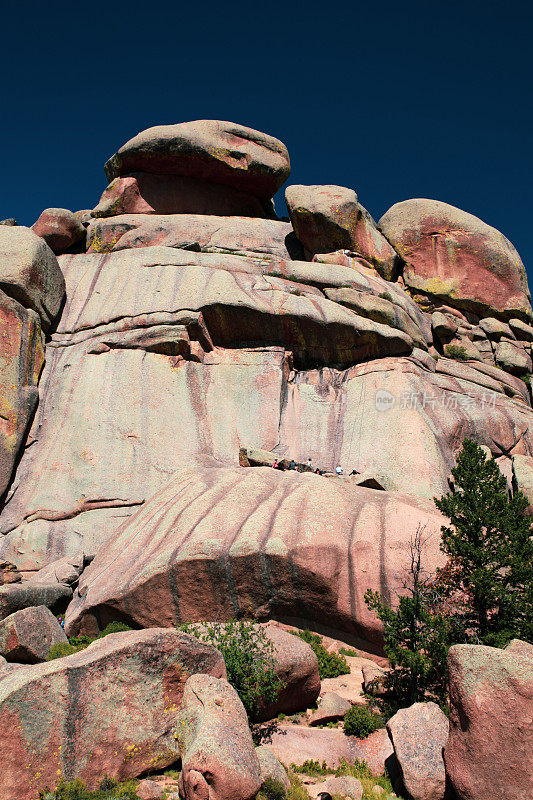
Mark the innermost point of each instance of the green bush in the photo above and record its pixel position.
(249, 658)
(347, 651)
(313, 767)
(330, 665)
(456, 351)
(78, 643)
(272, 789)
(361, 722)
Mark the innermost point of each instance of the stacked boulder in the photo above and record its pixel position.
(201, 167)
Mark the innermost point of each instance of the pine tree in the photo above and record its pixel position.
(416, 636)
(490, 550)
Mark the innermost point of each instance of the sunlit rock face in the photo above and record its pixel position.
(186, 336)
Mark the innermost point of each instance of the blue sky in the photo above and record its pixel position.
(394, 99)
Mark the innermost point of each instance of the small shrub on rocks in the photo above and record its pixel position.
(330, 665)
(77, 643)
(456, 351)
(361, 722)
(249, 658)
(272, 790)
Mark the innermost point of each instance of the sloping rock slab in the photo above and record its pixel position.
(218, 543)
(110, 709)
(14, 597)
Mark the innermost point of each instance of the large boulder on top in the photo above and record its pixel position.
(257, 542)
(145, 193)
(30, 273)
(222, 152)
(488, 755)
(60, 228)
(453, 255)
(328, 218)
(419, 734)
(110, 709)
(27, 635)
(218, 758)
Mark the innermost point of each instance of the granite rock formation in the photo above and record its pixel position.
(196, 325)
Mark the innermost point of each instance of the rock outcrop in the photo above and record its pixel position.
(110, 709)
(194, 328)
(488, 755)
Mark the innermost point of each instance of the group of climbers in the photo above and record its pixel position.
(308, 467)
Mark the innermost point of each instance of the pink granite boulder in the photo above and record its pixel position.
(218, 757)
(27, 635)
(60, 228)
(110, 709)
(30, 273)
(222, 152)
(488, 755)
(453, 255)
(419, 734)
(328, 218)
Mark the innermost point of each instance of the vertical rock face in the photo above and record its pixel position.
(455, 256)
(22, 358)
(488, 755)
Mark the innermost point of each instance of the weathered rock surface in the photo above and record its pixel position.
(419, 734)
(27, 635)
(271, 767)
(110, 709)
(453, 255)
(22, 357)
(218, 757)
(223, 152)
(343, 785)
(60, 229)
(331, 707)
(257, 238)
(216, 543)
(143, 193)
(488, 755)
(512, 359)
(65, 571)
(30, 273)
(15, 597)
(295, 744)
(327, 218)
